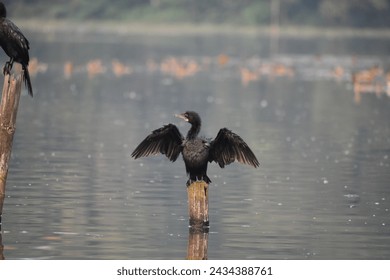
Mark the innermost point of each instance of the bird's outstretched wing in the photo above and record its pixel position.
(166, 140)
(228, 147)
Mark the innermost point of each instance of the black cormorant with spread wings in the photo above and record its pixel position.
(226, 148)
(15, 45)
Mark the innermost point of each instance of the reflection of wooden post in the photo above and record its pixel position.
(197, 244)
(8, 110)
(1, 247)
(198, 204)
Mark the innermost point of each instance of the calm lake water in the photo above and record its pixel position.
(322, 190)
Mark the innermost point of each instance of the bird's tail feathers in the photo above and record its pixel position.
(27, 81)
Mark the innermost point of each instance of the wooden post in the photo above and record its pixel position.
(197, 243)
(8, 111)
(198, 204)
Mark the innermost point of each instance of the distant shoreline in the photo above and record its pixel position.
(181, 29)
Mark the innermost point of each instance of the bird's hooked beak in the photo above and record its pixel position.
(181, 116)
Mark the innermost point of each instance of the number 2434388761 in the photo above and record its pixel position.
(241, 270)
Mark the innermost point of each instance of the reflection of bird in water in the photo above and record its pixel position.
(226, 148)
(15, 45)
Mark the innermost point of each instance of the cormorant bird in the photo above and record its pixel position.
(226, 148)
(15, 45)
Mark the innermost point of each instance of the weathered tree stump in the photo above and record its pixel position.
(198, 204)
(8, 111)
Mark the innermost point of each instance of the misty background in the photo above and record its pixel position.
(318, 13)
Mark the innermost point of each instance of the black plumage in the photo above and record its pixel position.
(15, 45)
(226, 148)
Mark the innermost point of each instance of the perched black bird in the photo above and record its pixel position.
(15, 45)
(197, 152)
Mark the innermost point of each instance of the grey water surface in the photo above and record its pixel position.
(322, 190)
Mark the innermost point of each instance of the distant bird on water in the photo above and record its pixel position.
(226, 148)
(15, 45)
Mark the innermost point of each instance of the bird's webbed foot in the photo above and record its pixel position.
(7, 68)
(193, 180)
(189, 182)
(204, 178)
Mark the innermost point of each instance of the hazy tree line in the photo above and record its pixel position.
(328, 13)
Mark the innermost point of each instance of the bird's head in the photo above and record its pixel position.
(189, 116)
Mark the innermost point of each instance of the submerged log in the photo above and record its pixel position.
(198, 204)
(8, 111)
